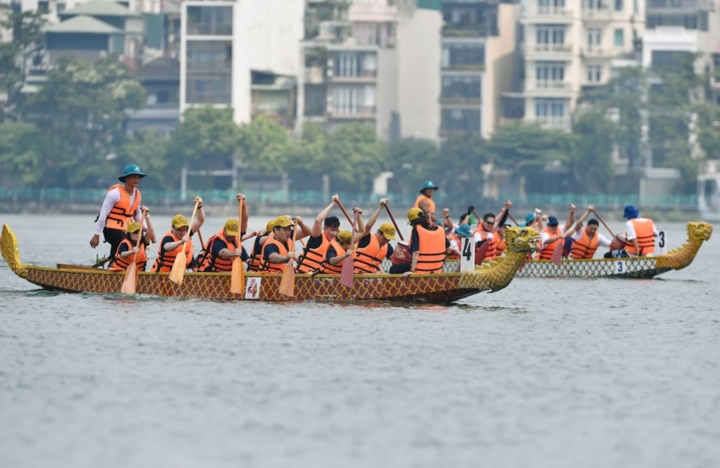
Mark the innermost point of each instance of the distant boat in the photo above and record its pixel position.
(708, 196)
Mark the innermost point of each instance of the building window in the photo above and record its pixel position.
(351, 65)
(619, 38)
(618, 5)
(549, 73)
(353, 100)
(550, 111)
(461, 87)
(463, 56)
(594, 38)
(209, 20)
(594, 73)
(550, 37)
(460, 120)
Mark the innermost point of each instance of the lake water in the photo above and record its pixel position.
(546, 373)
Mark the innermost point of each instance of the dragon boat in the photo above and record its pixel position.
(443, 288)
(635, 267)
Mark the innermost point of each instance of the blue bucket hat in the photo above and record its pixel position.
(428, 185)
(132, 169)
(529, 218)
(463, 230)
(552, 221)
(630, 212)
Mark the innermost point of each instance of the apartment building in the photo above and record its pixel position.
(222, 42)
(375, 62)
(478, 57)
(570, 45)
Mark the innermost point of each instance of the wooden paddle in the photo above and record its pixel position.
(347, 274)
(615, 244)
(130, 280)
(287, 282)
(237, 277)
(392, 218)
(177, 273)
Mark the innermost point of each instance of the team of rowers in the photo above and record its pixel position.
(127, 226)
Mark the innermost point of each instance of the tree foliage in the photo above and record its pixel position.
(263, 145)
(81, 112)
(411, 161)
(206, 138)
(21, 153)
(592, 161)
(353, 157)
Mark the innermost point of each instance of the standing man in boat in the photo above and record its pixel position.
(122, 204)
(373, 247)
(428, 246)
(639, 234)
(178, 238)
(425, 202)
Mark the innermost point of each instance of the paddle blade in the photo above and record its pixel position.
(287, 283)
(237, 277)
(130, 280)
(348, 272)
(557, 253)
(178, 269)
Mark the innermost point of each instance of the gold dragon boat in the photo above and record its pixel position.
(636, 267)
(443, 288)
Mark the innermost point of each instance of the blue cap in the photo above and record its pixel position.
(463, 230)
(529, 218)
(428, 185)
(132, 169)
(552, 221)
(630, 212)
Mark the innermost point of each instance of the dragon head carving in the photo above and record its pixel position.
(699, 231)
(522, 239)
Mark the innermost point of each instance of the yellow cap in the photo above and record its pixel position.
(269, 227)
(344, 237)
(179, 221)
(231, 227)
(282, 221)
(388, 231)
(133, 226)
(414, 213)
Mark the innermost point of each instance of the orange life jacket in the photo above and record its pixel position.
(451, 253)
(431, 250)
(645, 237)
(422, 197)
(120, 263)
(270, 267)
(122, 211)
(491, 252)
(584, 247)
(368, 258)
(166, 258)
(255, 261)
(329, 268)
(546, 252)
(207, 261)
(312, 259)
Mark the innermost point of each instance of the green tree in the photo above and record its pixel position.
(206, 138)
(264, 145)
(21, 150)
(459, 169)
(27, 40)
(592, 161)
(354, 157)
(527, 149)
(81, 112)
(306, 158)
(708, 128)
(150, 151)
(411, 161)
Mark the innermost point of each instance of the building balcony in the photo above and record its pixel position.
(363, 77)
(454, 30)
(460, 101)
(596, 15)
(548, 51)
(548, 88)
(358, 113)
(597, 53)
(463, 67)
(378, 13)
(554, 122)
(546, 15)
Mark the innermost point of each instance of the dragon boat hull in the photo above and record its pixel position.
(441, 288)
